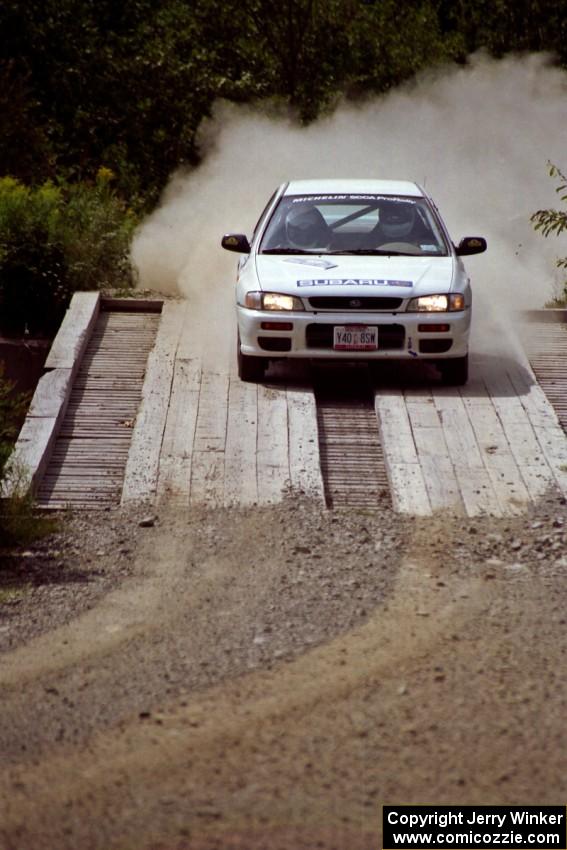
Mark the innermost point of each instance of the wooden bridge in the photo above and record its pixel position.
(127, 411)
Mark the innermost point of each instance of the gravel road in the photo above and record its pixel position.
(268, 677)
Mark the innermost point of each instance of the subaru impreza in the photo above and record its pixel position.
(355, 270)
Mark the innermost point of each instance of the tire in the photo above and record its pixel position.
(250, 369)
(455, 372)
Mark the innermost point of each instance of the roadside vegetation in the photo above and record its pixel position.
(55, 239)
(18, 521)
(552, 222)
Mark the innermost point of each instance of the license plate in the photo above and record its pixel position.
(355, 338)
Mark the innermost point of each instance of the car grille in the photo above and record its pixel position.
(321, 336)
(342, 302)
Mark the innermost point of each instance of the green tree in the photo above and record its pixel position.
(127, 85)
(502, 26)
(54, 240)
(554, 222)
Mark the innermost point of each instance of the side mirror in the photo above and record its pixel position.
(236, 242)
(471, 245)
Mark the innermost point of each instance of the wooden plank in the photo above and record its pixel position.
(272, 452)
(409, 493)
(176, 454)
(437, 469)
(499, 460)
(74, 333)
(477, 491)
(554, 445)
(419, 466)
(395, 428)
(142, 468)
(52, 394)
(210, 433)
(508, 484)
(304, 465)
(524, 443)
(207, 469)
(422, 413)
(506, 441)
(458, 432)
(240, 480)
(207, 478)
(441, 484)
(28, 461)
(475, 394)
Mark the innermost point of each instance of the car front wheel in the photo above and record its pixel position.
(455, 372)
(250, 369)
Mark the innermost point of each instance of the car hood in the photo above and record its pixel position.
(403, 277)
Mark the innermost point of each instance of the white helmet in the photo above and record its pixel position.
(306, 228)
(396, 218)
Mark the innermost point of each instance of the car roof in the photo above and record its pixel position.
(355, 187)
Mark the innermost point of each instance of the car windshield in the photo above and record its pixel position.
(353, 224)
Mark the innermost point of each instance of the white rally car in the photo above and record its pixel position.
(352, 269)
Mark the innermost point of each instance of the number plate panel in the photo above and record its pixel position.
(355, 338)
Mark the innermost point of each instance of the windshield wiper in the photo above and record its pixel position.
(373, 252)
(289, 251)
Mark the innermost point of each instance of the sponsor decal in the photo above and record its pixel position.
(306, 261)
(302, 199)
(354, 282)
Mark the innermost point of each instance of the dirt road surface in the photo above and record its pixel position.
(268, 677)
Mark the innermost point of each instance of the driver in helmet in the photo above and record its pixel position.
(397, 220)
(306, 228)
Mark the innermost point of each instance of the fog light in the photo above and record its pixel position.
(430, 329)
(277, 326)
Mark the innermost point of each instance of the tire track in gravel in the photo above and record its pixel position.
(226, 724)
(446, 688)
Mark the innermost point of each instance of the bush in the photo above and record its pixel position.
(54, 240)
(12, 410)
(554, 221)
(19, 521)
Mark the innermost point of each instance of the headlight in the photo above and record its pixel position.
(272, 301)
(437, 303)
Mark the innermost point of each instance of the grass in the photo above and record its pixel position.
(21, 523)
(10, 594)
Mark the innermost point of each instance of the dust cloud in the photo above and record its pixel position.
(477, 137)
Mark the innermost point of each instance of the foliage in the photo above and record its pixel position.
(19, 522)
(128, 84)
(502, 26)
(552, 221)
(55, 239)
(12, 410)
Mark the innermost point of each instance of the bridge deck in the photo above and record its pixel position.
(165, 426)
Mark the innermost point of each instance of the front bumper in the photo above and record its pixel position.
(401, 336)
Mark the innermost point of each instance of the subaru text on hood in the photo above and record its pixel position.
(356, 270)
